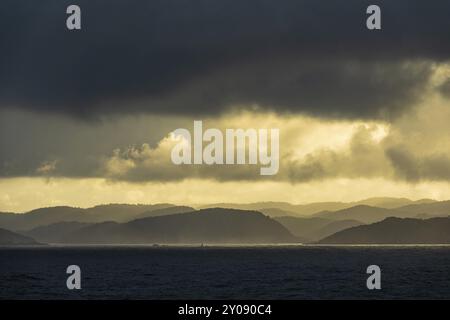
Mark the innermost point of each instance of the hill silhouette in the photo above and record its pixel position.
(101, 213)
(53, 233)
(333, 227)
(441, 208)
(215, 225)
(273, 208)
(8, 238)
(313, 229)
(390, 203)
(288, 208)
(395, 231)
(164, 211)
(121, 212)
(364, 213)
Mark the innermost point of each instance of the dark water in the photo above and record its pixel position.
(225, 273)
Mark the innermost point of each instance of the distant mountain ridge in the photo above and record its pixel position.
(164, 211)
(363, 213)
(369, 214)
(101, 213)
(437, 208)
(315, 207)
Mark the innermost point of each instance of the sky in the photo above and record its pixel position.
(86, 115)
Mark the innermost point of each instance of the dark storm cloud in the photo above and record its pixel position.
(200, 57)
(72, 148)
(412, 168)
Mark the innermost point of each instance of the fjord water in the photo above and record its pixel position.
(270, 272)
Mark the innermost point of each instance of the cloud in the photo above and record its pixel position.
(28, 140)
(355, 151)
(143, 164)
(413, 148)
(444, 88)
(363, 157)
(179, 57)
(414, 169)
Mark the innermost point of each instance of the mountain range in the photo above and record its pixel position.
(101, 213)
(167, 223)
(312, 208)
(214, 225)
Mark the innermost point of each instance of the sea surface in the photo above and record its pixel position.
(235, 272)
